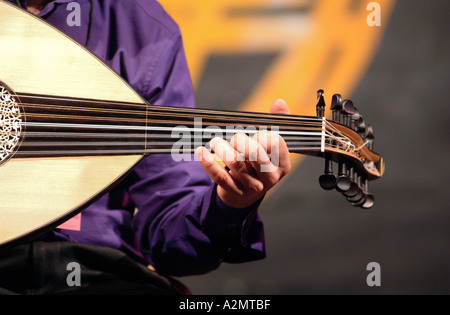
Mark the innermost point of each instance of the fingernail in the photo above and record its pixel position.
(198, 153)
(213, 142)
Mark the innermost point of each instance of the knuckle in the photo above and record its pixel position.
(234, 139)
(287, 169)
(219, 178)
(234, 163)
(253, 153)
(257, 187)
(272, 179)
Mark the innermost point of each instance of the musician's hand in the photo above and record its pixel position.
(251, 173)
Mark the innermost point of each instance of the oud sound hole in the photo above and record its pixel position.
(11, 120)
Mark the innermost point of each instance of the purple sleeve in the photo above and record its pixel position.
(181, 225)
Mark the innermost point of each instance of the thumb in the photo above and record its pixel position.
(279, 107)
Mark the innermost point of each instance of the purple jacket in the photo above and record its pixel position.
(181, 227)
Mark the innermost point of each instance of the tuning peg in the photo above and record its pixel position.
(370, 199)
(348, 110)
(360, 126)
(343, 182)
(320, 107)
(328, 181)
(369, 202)
(357, 193)
(336, 106)
(354, 188)
(354, 119)
(363, 195)
(369, 137)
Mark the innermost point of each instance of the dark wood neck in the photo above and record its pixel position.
(66, 126)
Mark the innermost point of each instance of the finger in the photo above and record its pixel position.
(254, 155)
(241, 171)
(266, 172)
(279, 107)
(279, 156)
(217, 173)
(253, 151)
(226, 153)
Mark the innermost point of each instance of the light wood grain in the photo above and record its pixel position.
(37, 58)
(36, 192)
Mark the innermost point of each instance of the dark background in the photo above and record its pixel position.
(316, 242)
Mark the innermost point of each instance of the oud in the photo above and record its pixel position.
(66, 139)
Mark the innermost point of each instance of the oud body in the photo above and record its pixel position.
(38, 192)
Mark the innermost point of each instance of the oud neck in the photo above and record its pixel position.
(198, 126)
(57, 126)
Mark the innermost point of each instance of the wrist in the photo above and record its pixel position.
(238, 201)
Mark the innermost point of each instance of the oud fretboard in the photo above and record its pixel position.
(56, 126)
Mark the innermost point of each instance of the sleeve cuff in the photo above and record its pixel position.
(223, 222)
